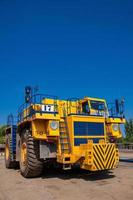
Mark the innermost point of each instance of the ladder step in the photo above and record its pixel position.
(62, 129)
(65, 143)
(66, 166)
(62, 123)
(63, 137)
(64, 148)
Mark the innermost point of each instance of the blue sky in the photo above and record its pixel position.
(69, 48)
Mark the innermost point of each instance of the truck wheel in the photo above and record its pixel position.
(30, 165)
(9, 162)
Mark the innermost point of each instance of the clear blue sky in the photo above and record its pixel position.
(69, 48)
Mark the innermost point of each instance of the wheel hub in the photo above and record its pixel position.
(24, 153)
(7, 151)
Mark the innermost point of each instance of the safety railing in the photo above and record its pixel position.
(12, 120)
(26, 109)
(116, 109)
(70, 106)
(127, 146)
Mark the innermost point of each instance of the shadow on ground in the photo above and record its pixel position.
(77, 173)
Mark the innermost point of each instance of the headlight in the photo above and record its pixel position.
(54, 125)
(115, 127)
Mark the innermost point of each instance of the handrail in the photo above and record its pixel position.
(113, 111)
(12, 120)
(128, 146)
(70, 106)
(35, 99)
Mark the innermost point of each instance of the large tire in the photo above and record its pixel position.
(10, 163)
(30, 164)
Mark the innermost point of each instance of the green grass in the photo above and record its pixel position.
(2, 134)
(2, 139)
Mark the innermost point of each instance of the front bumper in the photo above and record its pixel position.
(101, 156)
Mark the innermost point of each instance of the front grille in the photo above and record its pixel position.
(104, 156)
(88, 129)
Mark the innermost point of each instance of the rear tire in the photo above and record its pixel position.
(30, 164)
(9, 161)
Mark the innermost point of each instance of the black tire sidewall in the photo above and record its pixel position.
(33, 166)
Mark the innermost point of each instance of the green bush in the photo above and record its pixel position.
(129, 133)
(129, 130)
(2, 140)
(2, 134)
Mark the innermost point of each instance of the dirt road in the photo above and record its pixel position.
(72, 185)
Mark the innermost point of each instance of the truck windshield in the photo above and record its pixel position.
(97, 105)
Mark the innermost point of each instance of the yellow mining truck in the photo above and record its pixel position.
(65, 132)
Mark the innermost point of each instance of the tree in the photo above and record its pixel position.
(2, 134)
(129, 130)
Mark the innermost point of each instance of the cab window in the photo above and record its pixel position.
(97, 105)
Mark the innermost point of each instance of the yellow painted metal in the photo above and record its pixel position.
(52, 132)
(94, 157)
(7, 151)
(23, 153)
(90, 156)
(113, 133)
(115, 120)
(110, 122)
(41, 129)
(101, 157)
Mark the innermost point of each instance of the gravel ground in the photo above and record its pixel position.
(73, 185)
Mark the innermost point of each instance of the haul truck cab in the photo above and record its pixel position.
(64, 132)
